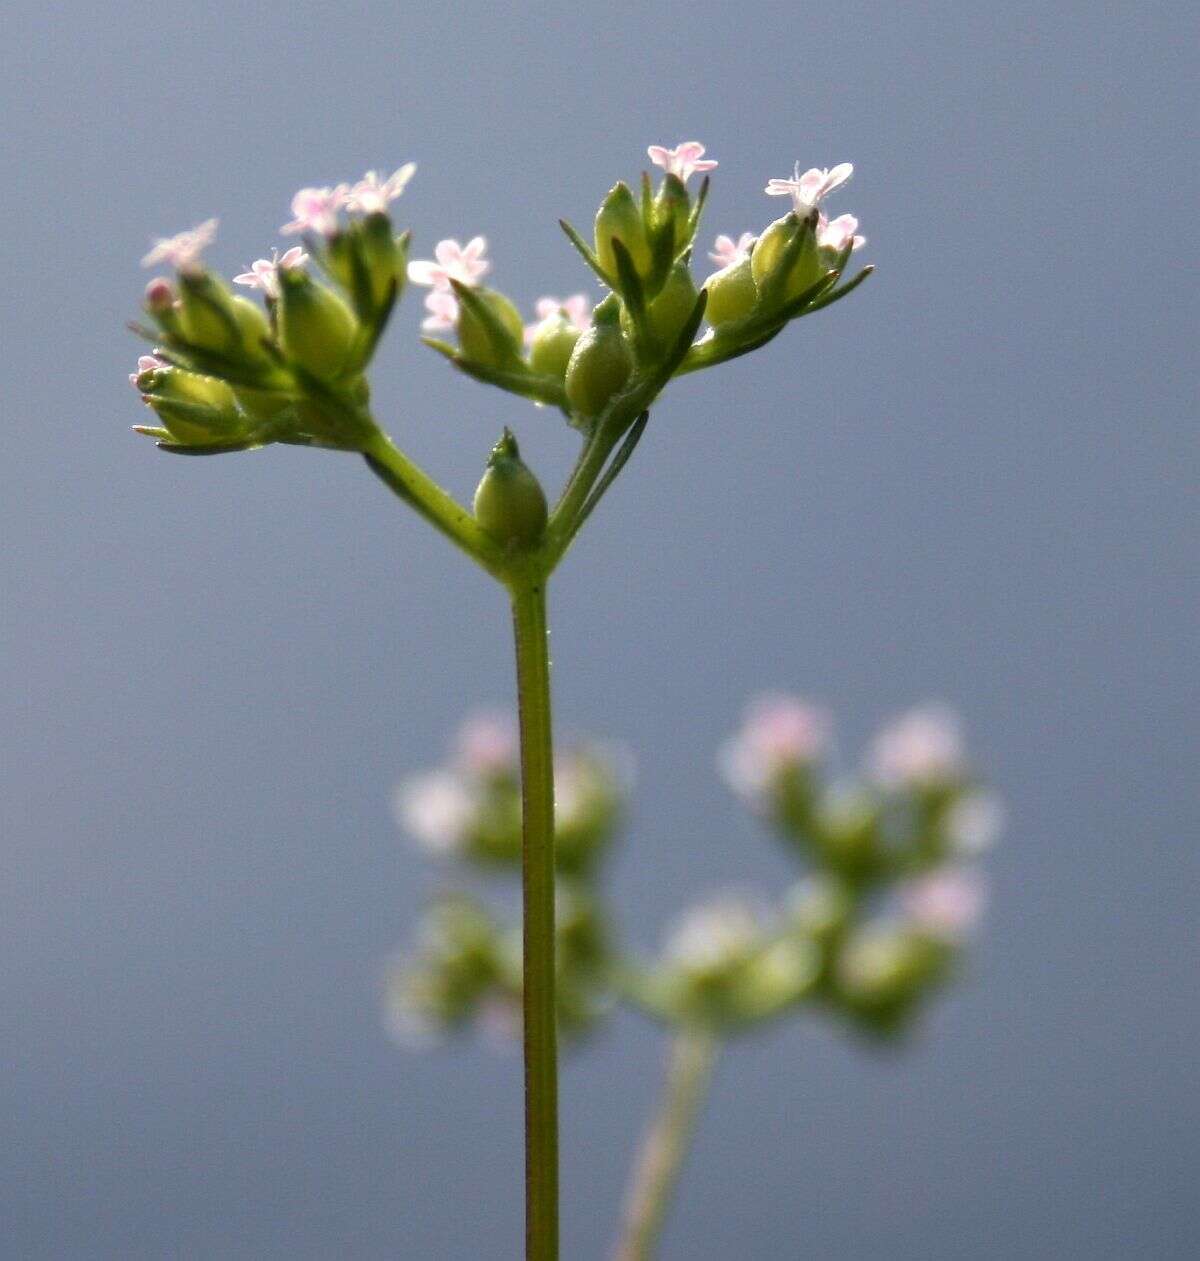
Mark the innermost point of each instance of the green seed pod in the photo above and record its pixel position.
(365, 259)
(600, 364)
(509, 501)
(316, 328)
(669, 312)
(620, 217)
(673, 206)
(768, 256)
(210, 315)
(196, 410)
(732, 293)
(553, 341)
(478, 342)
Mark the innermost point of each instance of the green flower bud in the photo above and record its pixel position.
(475, 338)
(196, 410)
(553, 341)
(669, 311)
(732, 293)
(368, 254)
(768, 255)
(601, 362)
(672, 206)
(316, 328)
(620, 217)
(509, 501)
(212, 317)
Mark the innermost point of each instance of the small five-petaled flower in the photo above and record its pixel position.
(263, 273)
(726, 251)
(684, 160)
(182, 251)
(810, 189)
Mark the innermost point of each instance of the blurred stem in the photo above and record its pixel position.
(689, 1070)
(537, 886)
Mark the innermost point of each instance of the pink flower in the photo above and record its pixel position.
(183, 251)
(487, 744)
(684, 160)
(371, 195)
(923, 747)
(451, 261)
(726, 251)
(262, 274)
(442, 306)
(576, 310)
(945, 904)
(809, 189)
(779, 732)
(146, 363)
(836, 234)
(316, 210)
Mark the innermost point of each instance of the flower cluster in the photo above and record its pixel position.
(891, 894)
(467, 964)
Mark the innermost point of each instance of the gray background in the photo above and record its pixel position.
(971, 481)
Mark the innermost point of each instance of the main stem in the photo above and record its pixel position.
(692, 1055)
(537, 885)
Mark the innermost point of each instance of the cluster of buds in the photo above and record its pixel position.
(228, 374)
(875, 926)
(467, 965)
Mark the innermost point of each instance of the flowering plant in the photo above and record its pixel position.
(227, 374)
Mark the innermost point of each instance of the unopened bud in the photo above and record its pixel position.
(160, 295)
(768, 256)
(620, 217)
(553, 341)
(672, 206)
(601, 362)
(509, 501)
(196, 410)
(669, 311)
(732, 293)
(490, 345)
(316, 328)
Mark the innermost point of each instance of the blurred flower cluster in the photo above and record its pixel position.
(889, 891)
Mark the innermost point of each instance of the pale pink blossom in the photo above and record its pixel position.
(576, 310)
(945, 904)
(726, 251)
(263, 273)
(779, 732)
(974, 823)
(810, 188)
(438, 808)
(684, 160)
(183, 250)
(921, 748)
(836, 234)
(713, 935)
(146, 363)
(371, 194)
(316, 210)
(442, 306)
(487, 744)
(451, 261)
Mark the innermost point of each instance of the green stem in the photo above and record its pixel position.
(537, 885)
(689, 1071)
(412, 484)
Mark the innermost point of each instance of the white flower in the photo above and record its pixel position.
(438, 808)
(726, 251)
(946, 904)
(809, 189)
(684, 160)
(451, 261)
(974, 823)
(713, 935)
(836, 234)
(183, 250)
(263, 272)
(778, 732)
(442, 306)
(371, 194)
(923, 747)
(316, 210)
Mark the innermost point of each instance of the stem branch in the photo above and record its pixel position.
(689, 1070)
